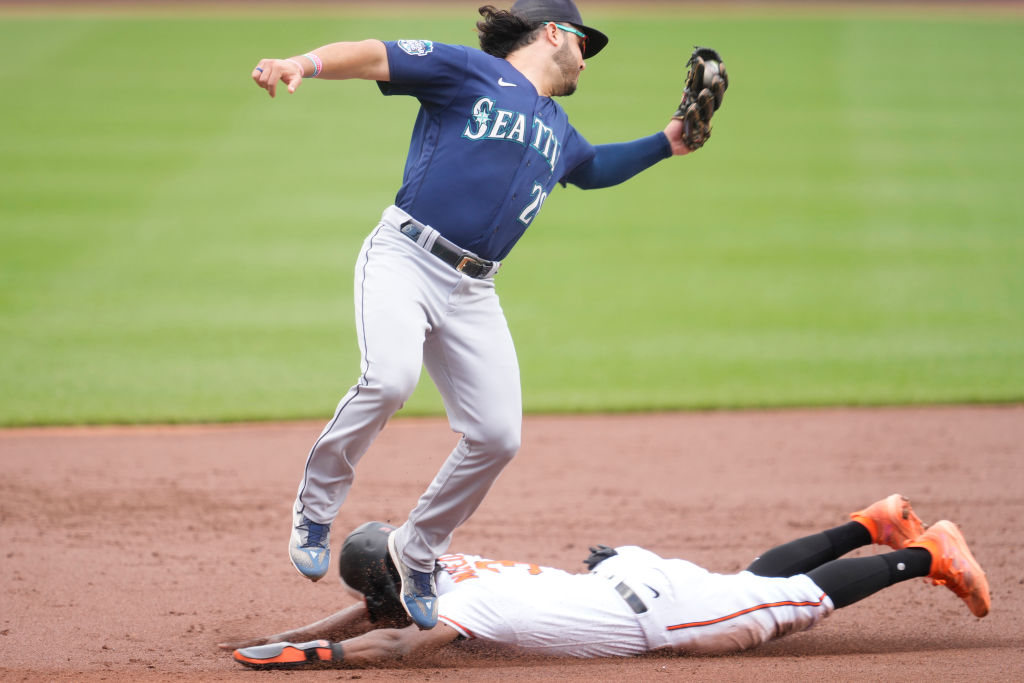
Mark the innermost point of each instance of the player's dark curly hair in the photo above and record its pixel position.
(502, 32)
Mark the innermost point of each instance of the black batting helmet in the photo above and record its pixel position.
(366, 566)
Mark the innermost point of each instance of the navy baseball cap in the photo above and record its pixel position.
(562, 11)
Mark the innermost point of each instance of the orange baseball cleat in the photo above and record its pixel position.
(315, 653)
(954, 567)
(891, 521)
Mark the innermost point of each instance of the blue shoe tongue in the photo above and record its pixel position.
(422, 582)
(315, 534)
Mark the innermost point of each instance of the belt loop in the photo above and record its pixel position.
(428, 238)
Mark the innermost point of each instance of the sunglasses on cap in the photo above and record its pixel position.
(570, 29)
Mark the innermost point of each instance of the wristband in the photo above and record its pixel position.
(338, 657)
(318, 66)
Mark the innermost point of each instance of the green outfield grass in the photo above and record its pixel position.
(175, 246)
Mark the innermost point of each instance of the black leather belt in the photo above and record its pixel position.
(459, 259)
(631, 598)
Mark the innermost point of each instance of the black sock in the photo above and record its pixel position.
(851, 579)
(804, 554)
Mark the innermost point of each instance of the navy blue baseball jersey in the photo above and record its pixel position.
(486, 149)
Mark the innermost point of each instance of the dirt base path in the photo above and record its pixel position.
(128, 553)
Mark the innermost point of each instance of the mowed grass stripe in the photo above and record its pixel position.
(174, 246)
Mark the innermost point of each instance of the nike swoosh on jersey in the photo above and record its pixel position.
(505, 84)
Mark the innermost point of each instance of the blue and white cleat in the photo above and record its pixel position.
(418, 590)
(310, 547)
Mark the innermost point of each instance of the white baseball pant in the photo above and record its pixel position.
(414, 310)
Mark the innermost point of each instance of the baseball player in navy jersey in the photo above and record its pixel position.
(488, 146)
(632, 601)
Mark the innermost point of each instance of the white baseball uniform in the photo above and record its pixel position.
(631, 603)
(414, 310)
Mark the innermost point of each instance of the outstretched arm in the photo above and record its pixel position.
(617, 162)
(381, 646)
(391, 644)
(367, 59)
(349, 622)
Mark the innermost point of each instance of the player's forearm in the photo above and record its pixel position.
(618, 162)
(376, 647)
(367, 59)
(392, 644)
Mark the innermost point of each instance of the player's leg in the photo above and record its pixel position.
(850, 579)
(472, 360)
(940, 553)
(731, 612)
(391, 312)
(890, 521)
(723, 613)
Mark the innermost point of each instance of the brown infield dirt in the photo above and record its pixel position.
(129, 553)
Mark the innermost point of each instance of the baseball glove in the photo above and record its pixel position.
(706, 83)
(598, 554)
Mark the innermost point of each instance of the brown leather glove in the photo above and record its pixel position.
(706, 83)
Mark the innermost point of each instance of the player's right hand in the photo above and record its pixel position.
(269, 71)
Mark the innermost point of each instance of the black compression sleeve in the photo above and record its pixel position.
(617, 162)
(804, 554)
(851, 579)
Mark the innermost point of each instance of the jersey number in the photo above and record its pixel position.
(539, 195)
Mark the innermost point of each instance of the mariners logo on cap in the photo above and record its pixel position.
(416, 48)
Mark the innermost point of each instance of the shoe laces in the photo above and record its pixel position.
(954, 569)
(316, 534)
(953, 578)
